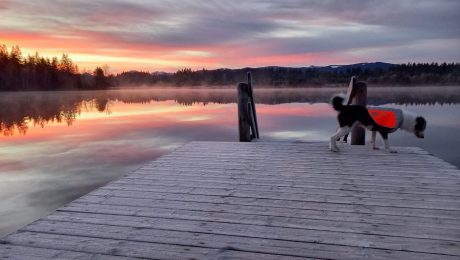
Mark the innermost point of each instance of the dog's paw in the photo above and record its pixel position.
(334, 149)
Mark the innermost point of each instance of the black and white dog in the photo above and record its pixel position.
(355, 115)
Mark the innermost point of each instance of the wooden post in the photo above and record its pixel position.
(247, 117)
(244, 121)
(359, 97)
(253, 108)
(351, 90)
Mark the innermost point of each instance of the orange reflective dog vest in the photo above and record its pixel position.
(386, 117)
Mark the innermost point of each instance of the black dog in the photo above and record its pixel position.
(353, 115)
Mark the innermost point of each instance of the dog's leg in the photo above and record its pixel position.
(387, 146)
(345, 138)
(337, 129)
(339, 139)
(340, 133)
(385, 141)
(374, 137)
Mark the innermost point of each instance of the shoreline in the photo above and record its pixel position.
(232, 87)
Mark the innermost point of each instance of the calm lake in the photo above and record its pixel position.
(57, 146)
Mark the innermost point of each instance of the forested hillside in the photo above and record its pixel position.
(42, 73)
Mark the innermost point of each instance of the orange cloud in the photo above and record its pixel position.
(89, 49)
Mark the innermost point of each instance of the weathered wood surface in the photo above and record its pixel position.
(212, 200)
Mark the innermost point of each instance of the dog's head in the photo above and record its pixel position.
(419, 128)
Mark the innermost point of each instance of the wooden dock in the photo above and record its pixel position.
(262, 200)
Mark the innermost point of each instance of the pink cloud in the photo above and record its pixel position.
(154, 36)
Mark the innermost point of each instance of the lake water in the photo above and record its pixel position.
(57, 146)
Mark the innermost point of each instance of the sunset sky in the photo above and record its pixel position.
(171, 34)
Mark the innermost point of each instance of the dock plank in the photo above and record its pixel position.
(263, 200)
(174, 207)
(337, 224)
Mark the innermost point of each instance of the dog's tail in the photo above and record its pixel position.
(337, 102)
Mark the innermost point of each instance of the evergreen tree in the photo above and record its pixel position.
(100, 81)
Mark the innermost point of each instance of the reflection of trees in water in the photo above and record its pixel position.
(414, 95)
(21, 110)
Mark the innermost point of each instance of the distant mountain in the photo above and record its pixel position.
(363, 66)
(330, 68)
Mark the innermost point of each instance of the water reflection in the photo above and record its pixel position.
(22, 110)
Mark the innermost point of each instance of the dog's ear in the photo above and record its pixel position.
(420, 124)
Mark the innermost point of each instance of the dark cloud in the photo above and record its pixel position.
(213, 30)
(350, 24)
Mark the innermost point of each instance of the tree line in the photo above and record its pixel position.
(42, 73)
(409, 74)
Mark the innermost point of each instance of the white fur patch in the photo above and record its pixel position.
(408, 123)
